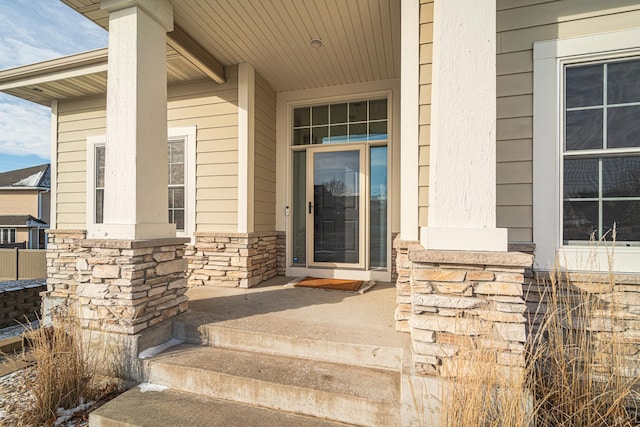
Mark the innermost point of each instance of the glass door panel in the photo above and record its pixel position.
(336, 207)
(378, 207)
(299, 238)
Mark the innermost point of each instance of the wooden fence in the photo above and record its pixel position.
(20, 264)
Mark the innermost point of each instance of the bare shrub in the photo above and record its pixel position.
(576, 373)
(478, 392)
(579, 375)
(69, 370)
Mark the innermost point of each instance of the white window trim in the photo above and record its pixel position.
(189, 135)
(550, 57)
(15, 234)
(92, 143)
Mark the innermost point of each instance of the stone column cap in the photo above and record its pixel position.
(233, 234)
(405, 244)
(65, 231)
(132, 244)
(507, 259)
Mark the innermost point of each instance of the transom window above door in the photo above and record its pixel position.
(341, 122)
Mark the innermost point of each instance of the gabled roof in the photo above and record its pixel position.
(20, 221)
(33, 177)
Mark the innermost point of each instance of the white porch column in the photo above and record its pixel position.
(462, 180)
(409, 118)
(135, 204)
(246, 144)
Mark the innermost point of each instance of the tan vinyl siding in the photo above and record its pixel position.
(264, 156)
(213, 109)
(426, 55)
(76, 121)
(22, 235)
(520, 23)
(19, 202)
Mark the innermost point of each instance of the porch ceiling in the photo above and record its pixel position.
(361, 38)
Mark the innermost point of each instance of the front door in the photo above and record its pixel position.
(335, 206)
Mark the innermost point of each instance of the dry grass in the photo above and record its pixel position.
(576, 374)
(579, 377)
(480, 393)
(69, 370)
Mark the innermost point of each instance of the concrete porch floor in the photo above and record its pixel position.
(328, 315)
(276, 355)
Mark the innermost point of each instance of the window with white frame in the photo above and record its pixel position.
(586, 151)
(176, 182)
(7, 235)
(341, 122)
(601, 151)
(99, 152)
(181, 179)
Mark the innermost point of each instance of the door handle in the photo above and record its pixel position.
(310, 206)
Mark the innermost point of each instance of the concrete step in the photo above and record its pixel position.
(343, 393)
(170, 408)
(292, 344)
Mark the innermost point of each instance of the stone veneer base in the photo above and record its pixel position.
(234, 259)
(116, 286)
(124, 292)
(455, 301)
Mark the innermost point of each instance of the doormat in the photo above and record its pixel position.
(359, 286)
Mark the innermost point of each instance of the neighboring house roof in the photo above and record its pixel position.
(33, 177)
(20, 221)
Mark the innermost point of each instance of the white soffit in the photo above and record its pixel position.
(361, 38)
(80, 75)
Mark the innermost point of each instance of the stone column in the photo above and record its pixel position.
(462, 175)
(125, 280)
(463, 302)
(135, 203)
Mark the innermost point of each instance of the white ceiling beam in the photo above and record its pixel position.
(193, 52)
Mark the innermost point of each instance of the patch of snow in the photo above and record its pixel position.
(30, 181)
(145, 387)
(17, 330)
(16, 285)
(294, 282)
(65, 415)
(150, 352)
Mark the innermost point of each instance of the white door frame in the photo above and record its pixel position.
(363, 203)
(289, 100)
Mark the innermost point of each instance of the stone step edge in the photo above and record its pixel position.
(362, 355)
(326, 405)
(116, 413)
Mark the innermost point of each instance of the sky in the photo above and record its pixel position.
(33, 31)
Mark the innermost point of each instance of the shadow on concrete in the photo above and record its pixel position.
(273, 308)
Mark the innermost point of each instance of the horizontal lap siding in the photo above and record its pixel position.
(520, 23)
(19, 202)
(426, 54)
(77, 120)
(213, 109)
(264, 156)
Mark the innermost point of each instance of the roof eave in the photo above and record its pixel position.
(22, 81)
(89, 62)
(24, 188)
